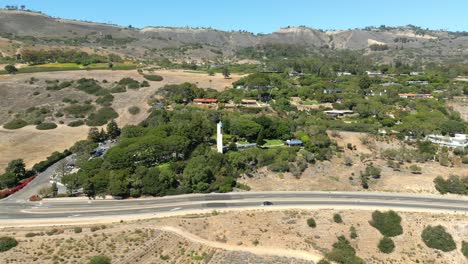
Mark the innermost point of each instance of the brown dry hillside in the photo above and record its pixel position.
(33, 145)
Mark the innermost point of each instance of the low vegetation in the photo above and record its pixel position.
(101, 117)
(76, 123)
(15, 124)
(454, 184)
(311, 223)
(464, 248)
(386, 245)
(388, 223)
(100, 259)
(7, 243)
(153, 77)
(134, 110)
(343, 252)
(46, 126)
(438, 238)
(337, 218)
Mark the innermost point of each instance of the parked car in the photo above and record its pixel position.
(267, 203)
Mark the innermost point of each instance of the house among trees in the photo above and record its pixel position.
(412, 96)
(294, 142)
(415, 73)
(338, 112)
(249, 102)
(373, 73)
(418, 82)
(343, 74)
(205, 101)
(332, 91)
(458, 141)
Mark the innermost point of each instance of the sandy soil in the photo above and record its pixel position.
(255, 236)
(34, 145)
(334, 175)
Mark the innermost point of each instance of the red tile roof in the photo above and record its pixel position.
(205, 100)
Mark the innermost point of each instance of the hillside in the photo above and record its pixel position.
(29, 29)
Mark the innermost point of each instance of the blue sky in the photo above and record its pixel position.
(260, 16)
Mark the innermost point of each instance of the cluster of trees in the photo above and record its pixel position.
(65, 56)
(454, 184)
(14, 173)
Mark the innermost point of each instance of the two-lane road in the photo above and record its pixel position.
(77, 209)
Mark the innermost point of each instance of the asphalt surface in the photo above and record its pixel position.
(82, 208)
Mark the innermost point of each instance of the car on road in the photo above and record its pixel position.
(267, 203)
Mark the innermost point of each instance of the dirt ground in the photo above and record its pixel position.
(256, 236)
(33, 145)
(334, 175)
(461, 107)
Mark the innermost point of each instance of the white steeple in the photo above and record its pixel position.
(219, 137)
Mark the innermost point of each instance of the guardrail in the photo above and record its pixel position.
(6, 193)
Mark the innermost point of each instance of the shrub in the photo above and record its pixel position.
(90, 86)
(46, 126)
(76, 123)
(134, 110)
(337, 218)
(353, 232)
(343, 252)
(454, 184)
(386, 245)
(56, 156)
(118, 89)
(77, 110)
(105, 100)
(15, 124)
(7, 243)
(311, 223)
(464, 248)
(415, 169)
(101, 117)
(153, 77)
(78, 230)
(31, 235)
(388, 223)
(100, 259)
(436, 237)
(94, 228)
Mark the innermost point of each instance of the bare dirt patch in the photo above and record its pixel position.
(334, 175)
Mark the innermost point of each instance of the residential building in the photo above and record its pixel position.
(458, 141)
(343, 74)
(411, 95)
(332, 91)
(415, 73)
(338, 112)
(418, 82)
(294, 142)
(373, 73)
(205, 101)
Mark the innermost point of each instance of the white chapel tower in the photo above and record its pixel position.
(219, 137)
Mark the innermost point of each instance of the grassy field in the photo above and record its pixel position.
(273, 143)
(50, 67)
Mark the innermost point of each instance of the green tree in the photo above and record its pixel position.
(261, 138)
(8, 180)
(226, 72)
(388, 223)
(464, 248)
(94, 135)
(337, 218)
(54, 189)
(311, 223)
(118, 183)
(18, 167)
(113, 130)
(11, 69)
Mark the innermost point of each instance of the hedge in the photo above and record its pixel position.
(76, 123)
(55, 157)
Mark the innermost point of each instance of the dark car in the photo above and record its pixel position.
(266, 203)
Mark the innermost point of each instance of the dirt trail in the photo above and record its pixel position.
(257, 250)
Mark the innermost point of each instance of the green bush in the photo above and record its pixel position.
(386, 245)
(76, 123)
(78, 230)
(464, 248)
(100, 259)
(56, 156)
(78, 110)
(91, 86)
(15, 124)
(436, 237)
(353, 232)
(343, 252)
(105, 100)
(134, 110)
(454, 184)
(46, 126)
(118, 89)
(153, 77)
(7, 243)
(337, 218)
(101, 117)
(311, 223)
(388, 223)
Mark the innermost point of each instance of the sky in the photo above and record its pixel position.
(260, 16)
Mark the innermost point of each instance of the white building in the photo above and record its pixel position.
(458, 141)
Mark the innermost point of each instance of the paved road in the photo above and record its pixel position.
(80, 208)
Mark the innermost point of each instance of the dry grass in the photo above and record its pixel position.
(256, 231)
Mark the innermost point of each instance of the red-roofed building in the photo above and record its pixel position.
(205, 101)
(411, 95)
